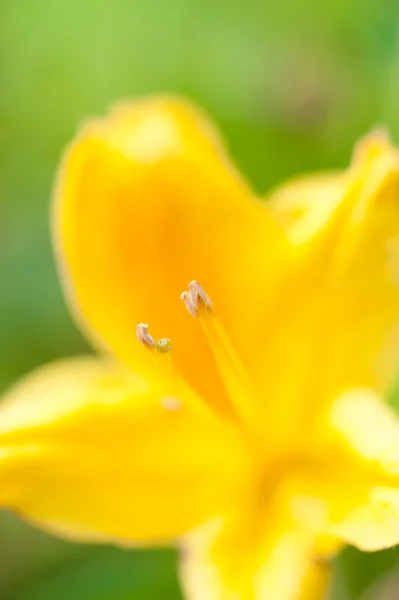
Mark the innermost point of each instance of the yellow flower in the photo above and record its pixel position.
(260, 442)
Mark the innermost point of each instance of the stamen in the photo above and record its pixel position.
(190, 303)
(197, 290)
(143, 336)
(231, 369)
(195, 299)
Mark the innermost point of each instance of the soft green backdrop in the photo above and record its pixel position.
(291, 83)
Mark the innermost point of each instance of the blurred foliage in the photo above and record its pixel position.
(292, 84)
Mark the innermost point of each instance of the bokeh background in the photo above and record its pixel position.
(292, 84)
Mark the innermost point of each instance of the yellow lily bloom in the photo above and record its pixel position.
(260, 441)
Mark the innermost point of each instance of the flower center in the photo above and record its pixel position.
(239, 388)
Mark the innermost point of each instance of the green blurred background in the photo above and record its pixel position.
(292, 85)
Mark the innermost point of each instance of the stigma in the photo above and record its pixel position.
(163, 345)
(164, 365)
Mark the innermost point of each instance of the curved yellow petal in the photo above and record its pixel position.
(336, 322)
(308, 205)
(304, 204)
(228, 560)
(366, 424)
(373, 525)
(146, 202)
(369, 430)
(270, 545)
(91, 451)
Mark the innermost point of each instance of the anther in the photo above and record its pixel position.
(164, 345)
(196, 289)
(195, 298)
(164, 364)
(190, 303)
(144, 337)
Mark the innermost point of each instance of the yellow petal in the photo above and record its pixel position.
(308, 205)
(147, 202)
(336, 323)
(91, 451)
(244, 556)
(270, 546)
(366, 423)
(369, 429)
(304, 204)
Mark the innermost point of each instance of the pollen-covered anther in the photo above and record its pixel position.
(190, 303)
(195, 299)
(144, 337)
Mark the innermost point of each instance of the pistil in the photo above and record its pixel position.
(179, 394)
